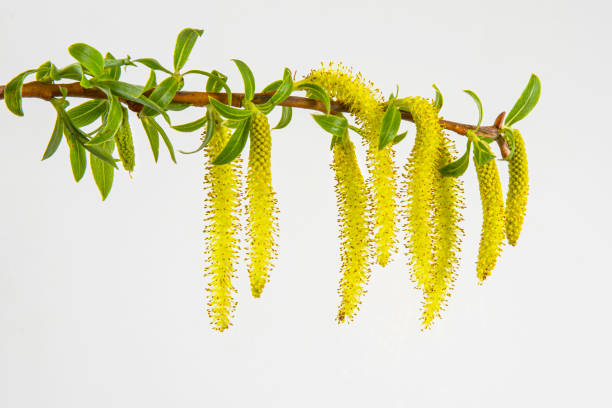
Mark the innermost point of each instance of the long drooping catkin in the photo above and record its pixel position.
(125, 143)
(262, 205)
(223, 189)
(353, 221)
(492, 233)
(518, 188)
(421, 171)
(447, 235)
(365, 104)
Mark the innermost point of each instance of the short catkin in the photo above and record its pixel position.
(261, 205)
(365, 103)
(353, 221)
(492, 233)
(518, 188)
(222, 184)
(125, 143)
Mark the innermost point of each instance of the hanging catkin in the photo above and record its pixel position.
(353, 222)
(125, 144)
(223, 189)
(262, 205)
(518, 187)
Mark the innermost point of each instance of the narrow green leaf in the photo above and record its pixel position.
(229, 111)
(112, 123)
(482, 153)
(215, 82)
(87, 112)
(273, 86)
(212, 124)
(478, 104)
(56, 138)
(153, 64)
(112, 67)
(151, 82)
(439, 100)
(336, 125)
(287, 112)
(235, 145)
(399, 137)
(283, 92)
(88, 57)
(152, 135)
(162, 95)
(165, 138)
(103, 172)
(175, 107)
(526, 102)
(132, 93)
(78, 159)
(317, 92)
(72, 71)
(184, 44)
(510, 139)
(390, 125)
(47, 73)
(12, 92)
(247, 78)
(191, 126)
(459, 166)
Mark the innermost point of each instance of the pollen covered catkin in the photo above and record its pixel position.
(125, 143)
(492, 233)
(421, 170)
(222, 184)
(353, 222)
(262, 205)
(365, 103)
(518, 188)
(447, 235)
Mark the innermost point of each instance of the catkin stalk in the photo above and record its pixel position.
(518, 188)
(353, 221)
(262, 205)
(222, 184)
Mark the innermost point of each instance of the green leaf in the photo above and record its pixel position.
(478, 104)
(184, 44)
(459, 166)
(78, 159)
(526, 102)
(247, 78)
(273, 86)
(112, 66)
(283, 92)
(87, 112)
(210, 130)
(191, 126)
(510, 139)
(285, 117)
(173, 106)
(215, 82)
(88, 57)
(112, 123)
(153, 64)
(336, 125)
(12, 92)
(229, 111)
(152, 135)
(482, 152)
(390, 125)
(235, 145)
(317, 92)
(439, 101)
(47, 73)
(72, 71)
(151, 82)
(102, 171)
(162, 95)
(56, 138)
(165, 138)
(132, 93)
(399, 137)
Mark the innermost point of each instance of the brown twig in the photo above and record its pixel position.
(47, 91)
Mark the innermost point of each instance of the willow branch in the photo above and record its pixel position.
(47, 91)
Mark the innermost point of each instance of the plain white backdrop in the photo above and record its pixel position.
(102, 304)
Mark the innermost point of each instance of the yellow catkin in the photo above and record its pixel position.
(365, 103)
(492, 233)
(353, 222)
(262, 205)
(125, 144)
(447, 235)
(421, 171)
(223, 189)
(518, 188)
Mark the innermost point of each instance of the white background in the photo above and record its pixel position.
(102, 304)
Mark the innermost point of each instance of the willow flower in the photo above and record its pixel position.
(492, 233)
(353, 221)
(262, 205)
(365, 103)
(447, 235)
(125, 143)
(223, 189)
(421, 170)
(518, 188)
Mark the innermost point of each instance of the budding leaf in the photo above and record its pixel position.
(399, 137)
(526, 102)
(247, 78)
(102, 171)
(235, 145)
(12, 92)
(153, 64)
(390, 125)
(282, 93)
(287, 112)
(482, 153)
(439, 100)
(229, 111)
(215, 81)
(184, 44)
(317, 92)
(112, 123)
(88, 57)
(459, 166)
(56, 138)
(478, 104)
(336, 125)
